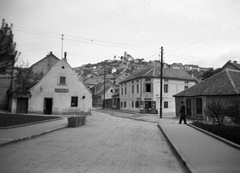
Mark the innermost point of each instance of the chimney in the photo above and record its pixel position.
(50, 52)
(65, 55)
(234, 62)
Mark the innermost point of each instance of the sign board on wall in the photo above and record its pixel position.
(61, 90)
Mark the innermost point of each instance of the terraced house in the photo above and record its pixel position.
(142, 89)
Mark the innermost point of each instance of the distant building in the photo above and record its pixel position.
(190, 67)
(177, 66)
(102, 93)
(142, 89)
(232, 65)
(44, 65)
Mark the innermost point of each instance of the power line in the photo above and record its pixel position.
(184, 56)
(85, 40)
(208, 38)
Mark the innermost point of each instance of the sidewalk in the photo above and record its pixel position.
(13, 135)
(199, 151)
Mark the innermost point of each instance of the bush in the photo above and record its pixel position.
(231, 133)
(216, 110)
(234, 113)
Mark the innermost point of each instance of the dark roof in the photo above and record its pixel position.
(234, 64)
(99, 89)
(49, 55)
(154, 72)
(226, 82)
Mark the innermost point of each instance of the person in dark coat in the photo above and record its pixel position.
(182, 114)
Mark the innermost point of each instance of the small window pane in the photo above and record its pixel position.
(165, 104)
(62, 80)
(74, 102)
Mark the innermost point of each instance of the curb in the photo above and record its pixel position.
(30, 137)
(177, 151)
(27, 124)
(232, 144)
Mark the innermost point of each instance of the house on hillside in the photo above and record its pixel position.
(232, 65)
(223, 86)
(44, 65)
(104, 93)
(59, 92)
(142, 89)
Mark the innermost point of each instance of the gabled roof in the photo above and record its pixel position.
(226, 82)
(155, 71)
(99, 89)
(234, 64)
(51, 55)
(53, 68)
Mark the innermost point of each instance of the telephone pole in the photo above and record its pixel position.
(62, 46)
(161, 80)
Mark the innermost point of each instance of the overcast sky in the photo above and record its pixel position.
(202, 32)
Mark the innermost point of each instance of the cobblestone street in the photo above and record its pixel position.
(104, 144)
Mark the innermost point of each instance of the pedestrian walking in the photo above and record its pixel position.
(182, 114)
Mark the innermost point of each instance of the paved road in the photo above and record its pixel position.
(104, 144)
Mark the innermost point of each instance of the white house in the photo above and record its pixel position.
(143, 89)
(60, 91)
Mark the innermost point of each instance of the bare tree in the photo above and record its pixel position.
(217, 111)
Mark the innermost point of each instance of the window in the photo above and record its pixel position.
(185, 87)
(132, 104)
(62, 80)
(125, 104)
(165, 80)
(148, 87)
(148, 79)
(121, 104)
(137, 88)
(122, 91)
(74, 102)
(199, 105)
(125, 90)
(133, 89)
(186, 81)
(165, 104)
(165, 88)
(137, 104)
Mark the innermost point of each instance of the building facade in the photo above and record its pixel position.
(59, 92)
(142, 90)
(223, 86)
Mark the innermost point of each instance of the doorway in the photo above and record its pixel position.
(22, 105)
(48, 105)
(188, 107)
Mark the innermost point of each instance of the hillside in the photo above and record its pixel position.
(120, 68)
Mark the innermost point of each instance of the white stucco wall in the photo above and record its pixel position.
(174, 86)
(61, 101)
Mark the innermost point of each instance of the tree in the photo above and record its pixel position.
(210, 73)
(24, 78)
(8, 54)
(217, 111)
(233, 111)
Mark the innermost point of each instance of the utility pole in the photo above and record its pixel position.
(104, 80)
(62, 46)
(161, 80)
